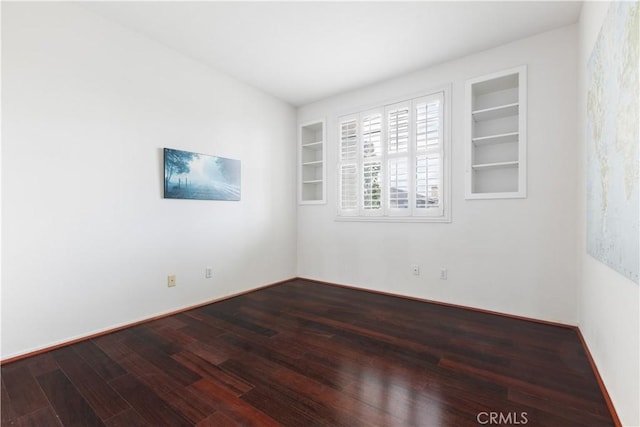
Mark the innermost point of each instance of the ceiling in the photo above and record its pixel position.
(301, 52)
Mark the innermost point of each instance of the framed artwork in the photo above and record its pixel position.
(198, 176)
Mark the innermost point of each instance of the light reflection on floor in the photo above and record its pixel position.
(405, 399)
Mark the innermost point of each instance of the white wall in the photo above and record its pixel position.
(608, 305)
(514, 256)
(88, 240)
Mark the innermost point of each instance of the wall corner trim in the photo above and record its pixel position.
(603, 388)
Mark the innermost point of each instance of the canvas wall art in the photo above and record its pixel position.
(613, 141)
(190, 175)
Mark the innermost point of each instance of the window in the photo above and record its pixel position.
(391, 162)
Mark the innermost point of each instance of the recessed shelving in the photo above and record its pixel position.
(496, 135)
(311, 160)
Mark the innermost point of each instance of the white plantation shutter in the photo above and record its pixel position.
(348, 168)
(391, 160)
(349, 187)
(349, 141)
(371, 146)
(398, 188)
(372, 188)
(398, 143)
(422, 183)
(398, 129)
(428, 183)
(372, 135)
(429, 151)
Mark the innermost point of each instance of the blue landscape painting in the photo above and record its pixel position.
(190, 175)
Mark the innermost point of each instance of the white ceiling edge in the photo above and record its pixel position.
(302, 52)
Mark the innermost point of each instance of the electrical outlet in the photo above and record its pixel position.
(171, 281)
(443, 274)
(415, 269)
(208, 273)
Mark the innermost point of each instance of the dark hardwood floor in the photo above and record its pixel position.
(307, 354)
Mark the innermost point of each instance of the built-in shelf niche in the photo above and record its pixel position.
(496, 107)
(312, 163)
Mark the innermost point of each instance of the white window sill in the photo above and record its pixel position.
(392, 219)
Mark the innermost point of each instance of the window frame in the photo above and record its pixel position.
(387, 213)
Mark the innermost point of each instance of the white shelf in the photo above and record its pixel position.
(496, 139)
(497, 165)
(496, 133)
(315, 145)
(312, 163)
(495, 112)
(499, 195)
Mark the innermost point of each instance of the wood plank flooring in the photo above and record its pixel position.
(308, 354)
